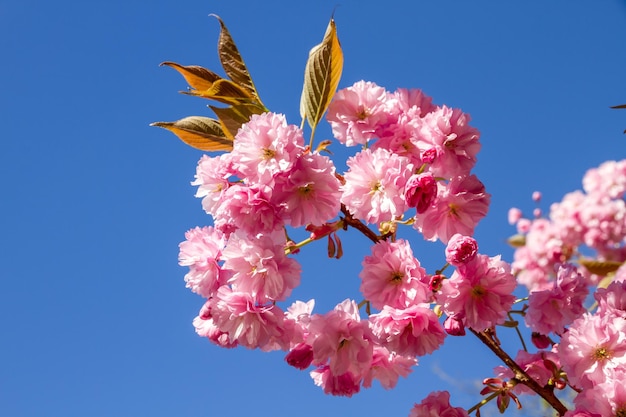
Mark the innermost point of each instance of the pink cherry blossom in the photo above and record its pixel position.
(300, 356)
(612, 299)
(554, 307)
(414, 331)
(249, 208)
(514, 215)
(481, 291)
(341, 339)
(400, 138)
(607, 398)
(437, 404)
(387, 367)
(413, 101)
(592, 348)
(201, 252)
(309, 193)
(260, 268)
(608, 179)
(346, 384)
(461, 249)
(374, 185)
(393, 276)
(458, 208)
(266, 146)
(247, 323)
(420, 191)
(357, 112)
(454, 141)
(205, 327)
(212, 176)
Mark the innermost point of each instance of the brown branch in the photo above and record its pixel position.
(358, 224)
(547, 393)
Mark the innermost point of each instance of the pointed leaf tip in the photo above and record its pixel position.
(321, 76)
(232, 62)
(199, 132)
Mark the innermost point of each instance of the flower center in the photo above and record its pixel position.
(478, 291)
(601, 354)
(267, 153)
(396, 278)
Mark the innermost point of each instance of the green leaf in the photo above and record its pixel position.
(231, 118)
(199, 132)
(197, 77)
(232, 62)
(321, 76)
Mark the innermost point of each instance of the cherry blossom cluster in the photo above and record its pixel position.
(411, 168)
(590, 355)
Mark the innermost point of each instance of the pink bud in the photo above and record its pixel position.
(514, 215)
(536, 196)
(420, 191)
(429, 155)
(461, 249)
(540, 341)
(435, 282)
(300, 356)
(454, 326)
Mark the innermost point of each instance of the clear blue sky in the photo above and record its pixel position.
(95, 318)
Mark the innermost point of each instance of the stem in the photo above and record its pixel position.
(358, 225)
(519, 334)
(483, 402)
(547, 393)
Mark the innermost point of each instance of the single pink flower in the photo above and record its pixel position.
(247, 323)
(309, 193)
(265, 147)
(413, 331)
(437, 404)
(346, 384)
(260, 267)
(392, 276)
(554, 307)
(461, 249)
(481, 291)
(201, 252)
(205, 327)
(341, 339)
(300, 356)
(455, 142)
(374, 185)
(357, 112)
(212, 176)
(420, 191)
(607, 398)
(249, 208)
(458, 208)
(387, 367)
(592, 348)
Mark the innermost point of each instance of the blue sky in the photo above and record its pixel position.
(95, 316)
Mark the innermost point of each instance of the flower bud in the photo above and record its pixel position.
(453, 325)
(420, 191)
(300, 356)
(461, 249)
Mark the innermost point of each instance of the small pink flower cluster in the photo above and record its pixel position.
(420, 157)
(591, 220)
